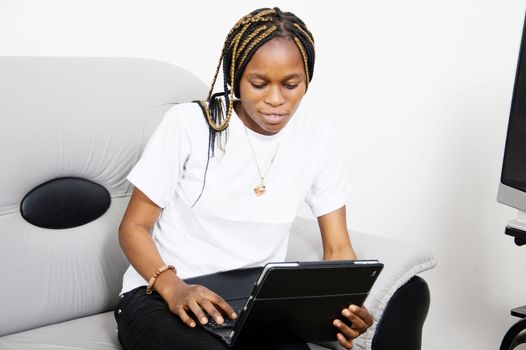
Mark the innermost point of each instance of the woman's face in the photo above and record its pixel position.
(272, 86)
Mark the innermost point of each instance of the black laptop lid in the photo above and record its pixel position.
(299, 303)
(319, 278)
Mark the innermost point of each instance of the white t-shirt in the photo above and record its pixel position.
(230, 227)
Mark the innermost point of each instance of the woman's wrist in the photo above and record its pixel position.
(343, 253)
(168, 283)
(153, 279)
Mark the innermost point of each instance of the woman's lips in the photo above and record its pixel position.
(273, 118)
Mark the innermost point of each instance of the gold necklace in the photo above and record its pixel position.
(260, 189)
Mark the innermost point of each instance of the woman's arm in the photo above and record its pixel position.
(337, 246)
(135, 237)
(335, 237)
(137, 243)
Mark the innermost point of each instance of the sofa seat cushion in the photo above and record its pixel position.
(87, 333)
(92, 332)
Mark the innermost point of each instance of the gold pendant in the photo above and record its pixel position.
(260, 190)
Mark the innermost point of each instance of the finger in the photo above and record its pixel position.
(211, 310)
(185, 318)
(223, 305)
(198, 312)
(363, 313)
(357, 322)
(343, 341)
(347, 331)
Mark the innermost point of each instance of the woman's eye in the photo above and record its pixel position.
(291, 86)
(258, 86)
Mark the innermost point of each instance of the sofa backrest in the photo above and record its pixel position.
(84, 121)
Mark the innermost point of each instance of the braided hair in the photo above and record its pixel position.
(242, 41)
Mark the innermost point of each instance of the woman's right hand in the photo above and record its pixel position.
(137, 243)
(185, 300)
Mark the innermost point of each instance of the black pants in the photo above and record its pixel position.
(145, 322)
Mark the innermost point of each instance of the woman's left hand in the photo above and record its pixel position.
(361, 320)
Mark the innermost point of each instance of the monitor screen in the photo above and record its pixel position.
(514, 165)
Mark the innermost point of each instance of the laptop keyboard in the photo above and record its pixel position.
(237, 304)
(227, 323)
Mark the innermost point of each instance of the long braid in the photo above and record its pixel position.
(246, 36)
(307, 42)
(306, 33)
(304, 55)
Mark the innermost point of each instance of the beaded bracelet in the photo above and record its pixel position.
(151, 282)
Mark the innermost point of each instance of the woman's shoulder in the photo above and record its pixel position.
(313, 127)
(187, 111)
(187, 116)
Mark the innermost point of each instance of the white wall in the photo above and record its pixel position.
(421, 91)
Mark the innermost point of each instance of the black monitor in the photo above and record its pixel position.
(512, 189)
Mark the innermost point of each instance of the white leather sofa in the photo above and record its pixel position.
(70, 131)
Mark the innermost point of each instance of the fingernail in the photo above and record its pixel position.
(337, 323)
(233, 316)
(220, 320)
(353, 308)
(192, 324)
(346, 312)
(204, 320)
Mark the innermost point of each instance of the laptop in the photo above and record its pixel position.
(289, 301)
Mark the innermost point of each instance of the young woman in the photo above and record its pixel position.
(219, 185)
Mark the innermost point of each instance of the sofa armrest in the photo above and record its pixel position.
(402, 261)
(403, 318)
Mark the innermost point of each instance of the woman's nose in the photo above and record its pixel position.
(275, 97)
